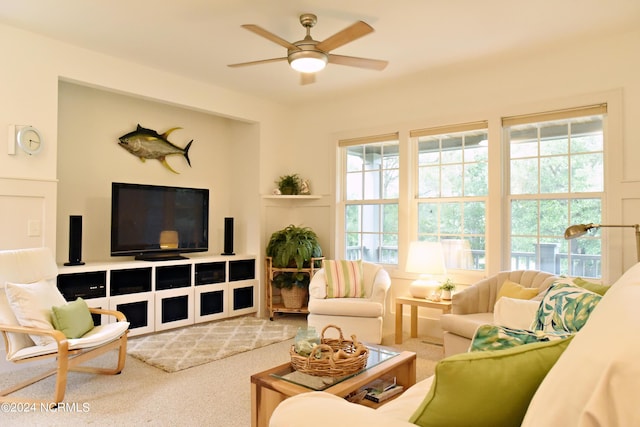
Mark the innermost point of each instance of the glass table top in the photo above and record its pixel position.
(376, 356)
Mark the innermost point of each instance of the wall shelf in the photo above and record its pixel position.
(293, 197)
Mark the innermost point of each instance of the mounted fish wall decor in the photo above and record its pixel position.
(149, 144)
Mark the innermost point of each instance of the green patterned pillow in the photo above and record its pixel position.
(490, 337)
(344, 279)
(564, 307)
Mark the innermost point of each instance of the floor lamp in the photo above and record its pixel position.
(578, 230)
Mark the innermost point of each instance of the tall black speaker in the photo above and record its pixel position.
(228, 237)
(75, 240)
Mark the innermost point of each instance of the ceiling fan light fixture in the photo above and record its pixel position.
(308, 61)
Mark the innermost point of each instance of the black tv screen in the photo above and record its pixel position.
(153, 222)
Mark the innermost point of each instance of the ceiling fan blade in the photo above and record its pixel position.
(270, 36)
(262, 61)
(345, 36)
(353, 61)
(307, 78)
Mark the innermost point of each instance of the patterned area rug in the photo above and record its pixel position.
(184, 348)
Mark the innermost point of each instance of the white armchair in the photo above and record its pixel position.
(362, 317)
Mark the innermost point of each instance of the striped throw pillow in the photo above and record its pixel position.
(344, 279)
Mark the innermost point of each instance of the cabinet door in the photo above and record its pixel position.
(211, 302)
(242, 297)
(139, 309)
(174, 308)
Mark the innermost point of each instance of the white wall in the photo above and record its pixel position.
(90, 121)
(557, 77)
(29, 87)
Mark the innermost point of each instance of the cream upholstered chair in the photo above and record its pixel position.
(28, 292)
(474, 305)
(362, 317)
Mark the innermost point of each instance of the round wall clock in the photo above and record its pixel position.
(30, 140)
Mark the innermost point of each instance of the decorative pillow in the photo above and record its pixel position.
(565, 307)
(514, 290)
(31, 304)
(590, 286)
(73, 319)
(515, 313)
(344, 279)
(487, 388)
(15, 341)
(490, 337)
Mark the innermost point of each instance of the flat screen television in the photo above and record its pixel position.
(153, 222)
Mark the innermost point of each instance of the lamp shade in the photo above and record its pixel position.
(578, 230)
(426, 258)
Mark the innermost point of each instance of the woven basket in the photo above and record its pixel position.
(334, 357)
(293, 297)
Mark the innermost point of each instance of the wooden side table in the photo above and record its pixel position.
(445, 306)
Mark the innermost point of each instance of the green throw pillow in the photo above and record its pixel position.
(487, 388)
(511, 289)
(344, 279)
(491, 337)
(564, 307)
(72, 319)
(590, 286)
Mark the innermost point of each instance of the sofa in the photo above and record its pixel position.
(594, 381)
(474, 306)
(361, 316)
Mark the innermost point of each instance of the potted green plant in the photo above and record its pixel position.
(447, 287)
(289, 184)
(293, 247)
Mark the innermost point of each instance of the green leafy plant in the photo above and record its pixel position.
(293, 247)
(448, 286)
(289, 184)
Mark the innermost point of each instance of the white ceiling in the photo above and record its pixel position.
(198, 38)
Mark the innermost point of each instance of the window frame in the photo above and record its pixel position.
(344, 202)
(461, 129)
(508, 197)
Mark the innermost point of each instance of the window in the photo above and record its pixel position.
(370, 195)
(452, 188)
(548, 175)
(556, 179)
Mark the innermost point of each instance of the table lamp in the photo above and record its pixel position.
(578, 230)
(427, 259)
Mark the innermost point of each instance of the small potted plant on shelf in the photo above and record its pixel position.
(289, 184)
(447, 288)
(293, 247)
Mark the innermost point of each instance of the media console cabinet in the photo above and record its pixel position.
(160, 295)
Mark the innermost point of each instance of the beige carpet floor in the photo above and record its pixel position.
(191, 346)
(213, 394)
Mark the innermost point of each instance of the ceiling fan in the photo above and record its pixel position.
(309, 56)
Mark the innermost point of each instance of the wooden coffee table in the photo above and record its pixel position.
(270, 387)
